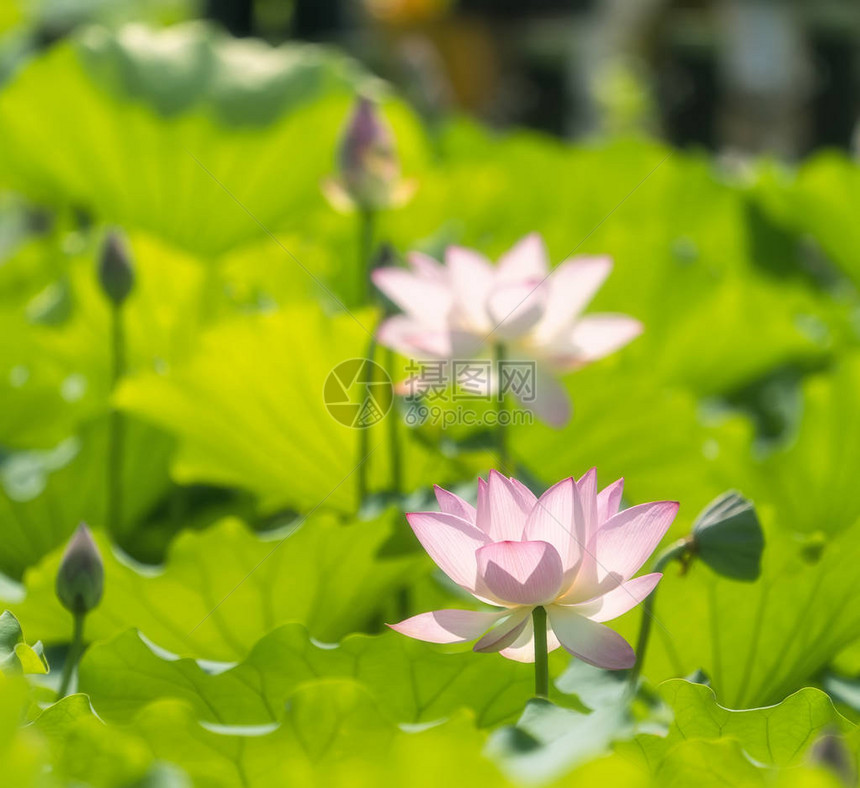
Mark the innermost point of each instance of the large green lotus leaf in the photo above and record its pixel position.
(715, 764)
(329, 722)
(44, 495)
(774, 735)
(411, 681)
(222, 589)
(16, 655)
(10, 15)
(261, 275)
(54, 349)
(758, 642)
(705, 762)
(82, 748)
(66, 744)
(817, 200)
(44, 397)
(249, 411)
(201, 139)
(21, 751)
(732, 747)
(707, 744)
(651, 435)
(711, 763)
(29, 258)
(332, 734)
(811, 482)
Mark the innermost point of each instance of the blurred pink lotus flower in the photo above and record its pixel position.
(368, 167)
(461, 309)
(571, 551)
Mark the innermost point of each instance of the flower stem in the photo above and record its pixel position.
(541, 664)
(365, 256)
(74, 654)
(116, 425)
(675, 551)
(393, 436)
(501, 416)
(366, 225)
(362, 461)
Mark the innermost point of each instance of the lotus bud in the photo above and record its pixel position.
(116, 273)
(728, 537)
(368, 160)
(80, 580)
(368, 166)
(831, 751)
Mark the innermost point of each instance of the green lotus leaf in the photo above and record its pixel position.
(222, 589)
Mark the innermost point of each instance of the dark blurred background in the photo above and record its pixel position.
(750, 76)
(745, 76)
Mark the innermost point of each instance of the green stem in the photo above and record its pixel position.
(403, 602)
(74, 654)
(394, 450)
(541, 663)
(366, 226)
(501, 416)
(675, 551)
(363, 472)
(116, 426)
(365, 256)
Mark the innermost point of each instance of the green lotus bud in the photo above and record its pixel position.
(116, 273)
(80, 580)
(727, 536)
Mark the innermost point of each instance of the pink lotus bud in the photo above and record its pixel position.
(369, 170)
(368, 160)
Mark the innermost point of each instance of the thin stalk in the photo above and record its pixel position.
(394, 450)
(403, 602)
(541, 662)
(363, 472)
(366, 227)
(501, 416)
(116, 425)
(365, 255)
(74, 655)
(674, 552)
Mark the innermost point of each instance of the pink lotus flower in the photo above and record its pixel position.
(462, 309)
(571, 551)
